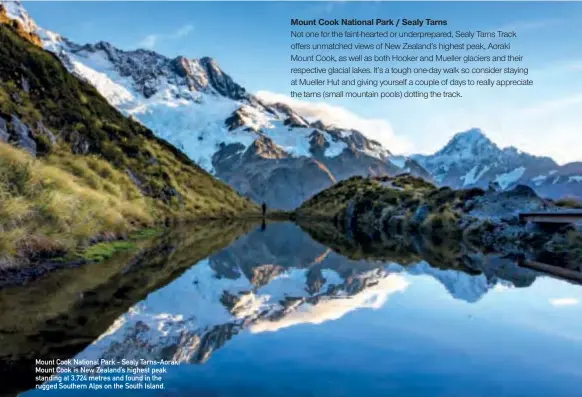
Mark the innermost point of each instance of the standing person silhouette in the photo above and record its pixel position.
(264, 208)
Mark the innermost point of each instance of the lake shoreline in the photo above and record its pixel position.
(487, 220)
(21, 273)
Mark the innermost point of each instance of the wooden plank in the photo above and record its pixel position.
(555, 213)
(553, 270)
(552, 217)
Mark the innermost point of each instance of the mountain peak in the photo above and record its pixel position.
(221, 81)
(471, 136)
(469, 144)
(211, 62)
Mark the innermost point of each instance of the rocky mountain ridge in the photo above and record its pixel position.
(406, 206)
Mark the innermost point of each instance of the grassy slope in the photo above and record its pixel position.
(364, 192)
(104, 174)
(569, 203)
(380, 202)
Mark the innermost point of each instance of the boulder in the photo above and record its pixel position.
(79, 144)
(4, 135)
(22, 135)
(420, 215)
(494, 187)
(46, 132)
(522, 191)
(25, 85)
(395, 224)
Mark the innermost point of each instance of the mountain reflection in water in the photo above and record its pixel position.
(277, 313)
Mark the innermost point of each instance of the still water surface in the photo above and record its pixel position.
(277, 313)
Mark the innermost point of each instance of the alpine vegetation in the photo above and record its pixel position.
(74, 170)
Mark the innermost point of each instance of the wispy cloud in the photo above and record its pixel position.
(151, 40)
(554, 105)
(564, 301)
(324, 7)
(377, 129)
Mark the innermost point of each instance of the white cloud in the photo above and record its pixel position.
(564, 301)
(183, 31)
(549, 128)
(151, 40)
(377, 129)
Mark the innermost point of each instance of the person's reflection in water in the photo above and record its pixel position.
(264, 211)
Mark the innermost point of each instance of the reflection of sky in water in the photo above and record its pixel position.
(388, 330)
(512, 342)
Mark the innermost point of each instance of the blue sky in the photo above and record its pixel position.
(251, 40)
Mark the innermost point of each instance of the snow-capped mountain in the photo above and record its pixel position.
(470, 159)
(267, 152)
(262, 283)
(162, 327)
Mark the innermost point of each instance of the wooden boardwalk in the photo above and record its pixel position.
(569, 216)
(560, 272)
(553, 220)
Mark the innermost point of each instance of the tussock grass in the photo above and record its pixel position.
(113, 288)
(366, 194)
(442, 223)
(46, 210)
